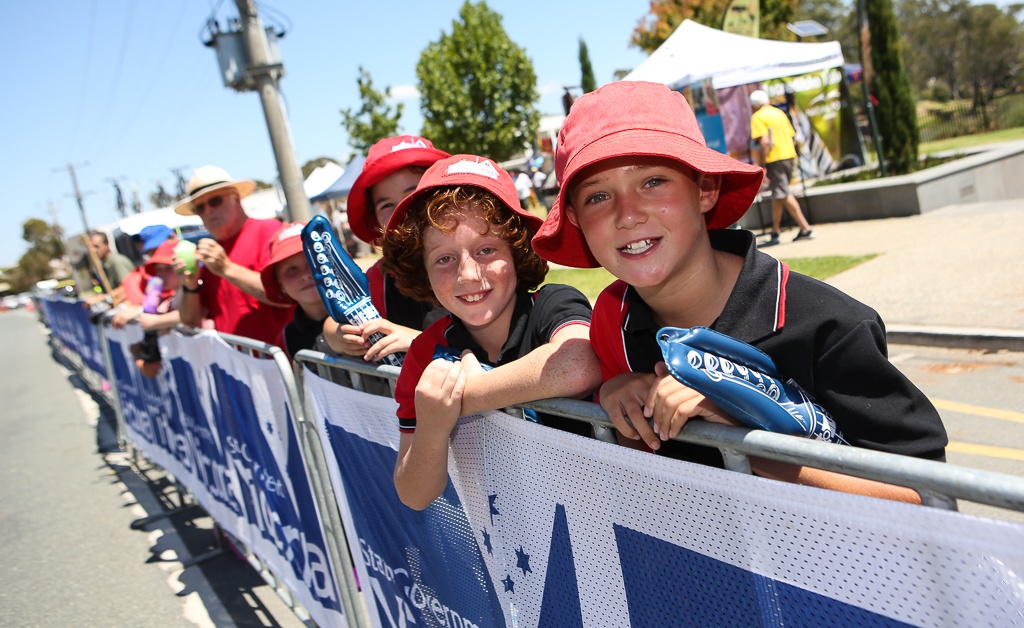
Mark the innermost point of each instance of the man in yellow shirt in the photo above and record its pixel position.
(774, 132)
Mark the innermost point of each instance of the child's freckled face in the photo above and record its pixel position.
(641, 216)
(388, 193)
(471, 271)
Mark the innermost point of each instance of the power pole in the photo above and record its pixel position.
(78, 194)
(266, 75)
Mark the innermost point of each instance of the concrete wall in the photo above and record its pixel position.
(990, 175)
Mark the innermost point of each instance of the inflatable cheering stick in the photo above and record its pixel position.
(343, 286)
(744, 382)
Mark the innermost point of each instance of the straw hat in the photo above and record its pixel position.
(205, 181)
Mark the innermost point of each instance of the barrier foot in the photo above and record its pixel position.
(138, 524)
(202, 558)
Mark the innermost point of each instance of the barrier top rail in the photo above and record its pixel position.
(932, 479)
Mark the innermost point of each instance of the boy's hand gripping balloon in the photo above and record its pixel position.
(744, 382)
(343, 286)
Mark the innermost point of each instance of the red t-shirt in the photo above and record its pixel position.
(233, 311)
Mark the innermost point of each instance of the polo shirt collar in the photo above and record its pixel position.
(458, 336)
(755, 309)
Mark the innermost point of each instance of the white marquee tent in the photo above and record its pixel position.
(694, 52)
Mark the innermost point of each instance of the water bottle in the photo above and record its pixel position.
(151, 300)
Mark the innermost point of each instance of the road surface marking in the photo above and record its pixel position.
(985, 450)
(992, 413)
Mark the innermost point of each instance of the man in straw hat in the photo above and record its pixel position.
(227, 288)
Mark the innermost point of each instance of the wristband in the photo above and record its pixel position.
(195, 290)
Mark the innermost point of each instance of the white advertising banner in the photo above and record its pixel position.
(543, 528)
(219, 420)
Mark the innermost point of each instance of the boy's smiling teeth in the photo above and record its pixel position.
(472, 298)
(639, 246)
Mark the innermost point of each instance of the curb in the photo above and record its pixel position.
(956, 337)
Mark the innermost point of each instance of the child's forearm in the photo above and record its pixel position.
(809, 476)
(564, 367)
(421, 472)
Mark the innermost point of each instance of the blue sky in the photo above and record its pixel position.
(124, 88)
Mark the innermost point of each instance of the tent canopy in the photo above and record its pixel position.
(321, 178)
(342, 184)
(694, 52)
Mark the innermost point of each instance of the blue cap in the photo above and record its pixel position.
(154, 235)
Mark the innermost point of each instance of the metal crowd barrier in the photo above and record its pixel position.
(939, 484)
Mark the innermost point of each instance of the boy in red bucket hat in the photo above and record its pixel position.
(392, 168)
(286, 279)
(643, 196)
(462, 241)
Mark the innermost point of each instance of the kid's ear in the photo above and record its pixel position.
(570, 215)
(710, 187)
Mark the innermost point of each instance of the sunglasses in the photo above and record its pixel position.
(212, 203)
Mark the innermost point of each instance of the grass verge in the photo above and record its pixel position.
(590, 281)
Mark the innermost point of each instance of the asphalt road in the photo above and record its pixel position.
(67, 500)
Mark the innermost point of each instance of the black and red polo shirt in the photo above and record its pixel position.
(829, 343)
(536, 318)
(395, 306)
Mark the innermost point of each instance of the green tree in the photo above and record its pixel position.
(934, 35)
(478, 88)
(34, 264)
(587, 81)
(375, 120)
(42, 236)
(896, 114)
(992, 51)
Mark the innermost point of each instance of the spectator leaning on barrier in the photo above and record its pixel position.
(644, 197)
(391, 171)
(115, 266)
(150, 238)
(462, 240)
(227, 287)
(286, 279)
(160, 311)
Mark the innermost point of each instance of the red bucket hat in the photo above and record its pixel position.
(287, 241)
(636, 118)
(164, 254)
(471, 170)
(384, 158)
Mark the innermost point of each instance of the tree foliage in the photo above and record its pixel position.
(478, 89)
(666, 15)
(587, 81)
(895, 114)
(34, 265)
(375, 119)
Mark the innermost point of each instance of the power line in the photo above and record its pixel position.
(85, 74)
(112, 94)
(155, 76)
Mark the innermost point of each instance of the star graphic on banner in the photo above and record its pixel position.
(487, 542)
(509, 585)
(490, 502)
(523, 560)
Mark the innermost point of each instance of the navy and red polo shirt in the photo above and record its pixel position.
(536, 318)
(829, 343)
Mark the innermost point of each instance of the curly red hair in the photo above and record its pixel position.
(403, 245)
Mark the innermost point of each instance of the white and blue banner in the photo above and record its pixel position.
(69, 321)
(544, 528)
(220, 421)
